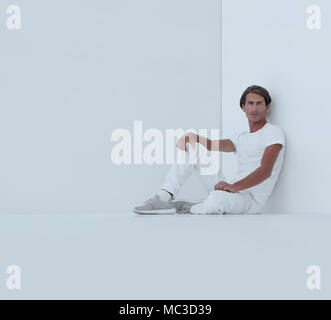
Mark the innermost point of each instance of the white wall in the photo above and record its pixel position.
(268, 43)
(78, 70)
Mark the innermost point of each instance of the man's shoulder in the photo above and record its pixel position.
(272, 135)
(274, 128)
(270, 128)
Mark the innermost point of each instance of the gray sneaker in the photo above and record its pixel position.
(155, 205)
(183, 207)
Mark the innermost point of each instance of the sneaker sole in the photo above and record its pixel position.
(162, 211)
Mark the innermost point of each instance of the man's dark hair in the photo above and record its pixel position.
(258, 90)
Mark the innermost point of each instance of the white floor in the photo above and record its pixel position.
(128, 256)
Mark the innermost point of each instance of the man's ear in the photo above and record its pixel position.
(268, 107)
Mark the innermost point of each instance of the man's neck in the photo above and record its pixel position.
(253, 127)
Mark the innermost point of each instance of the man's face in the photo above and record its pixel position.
(255, 108)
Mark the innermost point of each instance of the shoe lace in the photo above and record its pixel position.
(151, 200)
(186, 209)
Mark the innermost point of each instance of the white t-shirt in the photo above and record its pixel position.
(249, 150)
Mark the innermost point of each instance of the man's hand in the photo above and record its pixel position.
(222, 185)
(190, 137)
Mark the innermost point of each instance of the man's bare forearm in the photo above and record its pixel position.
(204, 141)
(255, 178)
(208, 144)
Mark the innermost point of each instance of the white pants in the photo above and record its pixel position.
(217, 201)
